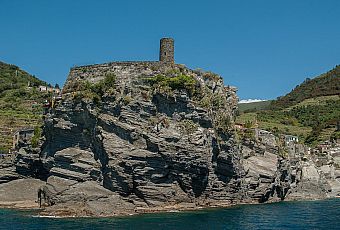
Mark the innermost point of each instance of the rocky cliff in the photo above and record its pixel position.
(136, 137)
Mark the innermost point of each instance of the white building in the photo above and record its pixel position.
(291, 138)
(42, 88)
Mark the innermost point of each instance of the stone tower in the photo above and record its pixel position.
(166, 51)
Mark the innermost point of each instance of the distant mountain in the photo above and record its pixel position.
(327, 84)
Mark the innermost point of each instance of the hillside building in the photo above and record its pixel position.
(22, 135)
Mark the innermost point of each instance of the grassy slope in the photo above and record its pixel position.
(253, 106)
(317, 101)
(327, 84)
(274, 125)
(286, 121)
(16, 100)
(310, 111)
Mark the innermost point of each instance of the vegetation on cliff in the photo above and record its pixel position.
(173, 83)
(95, 92)
(179, 82)
(200, 94)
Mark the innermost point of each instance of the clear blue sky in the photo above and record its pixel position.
(264, 47)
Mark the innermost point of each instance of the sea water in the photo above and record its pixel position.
(324, 214)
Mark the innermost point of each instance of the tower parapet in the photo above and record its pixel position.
(166, 51)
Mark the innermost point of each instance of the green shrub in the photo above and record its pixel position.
(126, 99)
(3, 150)
(209, 100)
(249, 124)
(187, 127)
(223, 122)
(179, 82)
(335, 135)
(36, 136)
(96, 91)
(211, 76)
(249, 134)
(205, 101)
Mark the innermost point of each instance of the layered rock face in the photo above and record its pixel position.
(146, 147)
(153, 151)
(273, 175)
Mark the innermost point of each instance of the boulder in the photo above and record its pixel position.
(21, 193)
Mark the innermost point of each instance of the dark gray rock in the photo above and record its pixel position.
(159, 152)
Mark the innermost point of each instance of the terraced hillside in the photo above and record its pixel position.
(20, 102)
(311, 111)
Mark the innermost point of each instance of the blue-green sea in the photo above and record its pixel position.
(323, 214)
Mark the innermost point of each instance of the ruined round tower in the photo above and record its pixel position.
(166, 51)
